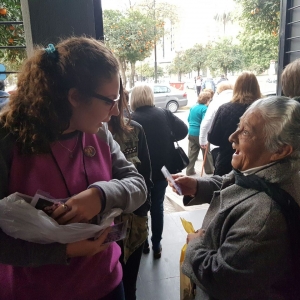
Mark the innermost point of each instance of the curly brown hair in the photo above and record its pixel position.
(246, 89)
(39, 111)
(118, 123)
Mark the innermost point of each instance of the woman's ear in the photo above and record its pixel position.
(283, 152)
(73, 97)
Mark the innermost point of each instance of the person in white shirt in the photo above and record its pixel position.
(198, 84)
(223, 95)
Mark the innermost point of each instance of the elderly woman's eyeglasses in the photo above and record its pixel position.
(107, 100)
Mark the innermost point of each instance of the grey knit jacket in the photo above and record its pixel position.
(244, 253)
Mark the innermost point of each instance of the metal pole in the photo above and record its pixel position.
(155, 56)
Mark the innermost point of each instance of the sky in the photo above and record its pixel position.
(194, 15)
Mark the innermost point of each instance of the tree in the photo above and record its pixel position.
(196, 57)
(223, 17)
(145, 70)
(131, 36)
(259, 48)
(225, 57)
(11, 35)
(260, 15)
(179, 65)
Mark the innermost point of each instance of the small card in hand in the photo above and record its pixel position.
(117, 233)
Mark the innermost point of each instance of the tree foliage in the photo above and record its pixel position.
(145, 70)
(131, 35)
(225, 57)
(196, 57)
(259, 48)
(223, 17)
(11, 35)
(179, 65)
(260, 15)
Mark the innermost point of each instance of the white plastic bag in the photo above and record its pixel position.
(22, 221)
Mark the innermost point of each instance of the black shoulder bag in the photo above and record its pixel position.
(178, 159)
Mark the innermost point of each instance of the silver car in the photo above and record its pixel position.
(168, 97)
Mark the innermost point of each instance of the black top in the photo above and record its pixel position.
(224, 124)
(158, 134)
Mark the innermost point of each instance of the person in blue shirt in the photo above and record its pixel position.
(208, 83)
(4, 97)
(196, 115)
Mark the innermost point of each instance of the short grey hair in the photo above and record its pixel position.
(282, 122)
(141, 95)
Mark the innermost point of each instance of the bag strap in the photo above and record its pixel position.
(168, 123)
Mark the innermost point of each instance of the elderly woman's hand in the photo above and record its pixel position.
(80, 208)
(187, 184)
(191, 236)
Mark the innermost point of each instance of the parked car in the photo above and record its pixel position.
(168, 97)
(165, 96)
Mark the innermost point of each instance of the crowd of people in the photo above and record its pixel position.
(70, 116)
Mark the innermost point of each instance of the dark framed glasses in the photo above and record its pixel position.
(107, 100)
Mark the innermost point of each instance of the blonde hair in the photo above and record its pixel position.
(141, 95)
(204, 97)
(290, 79)
(223, 86)
(246, 89)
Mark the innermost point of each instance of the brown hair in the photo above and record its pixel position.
(223, 86)
(39, 110)
(290, 79)
(118, 123)
(204, 97)
(210, 91)
(246, 89)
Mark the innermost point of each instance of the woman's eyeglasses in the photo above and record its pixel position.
(111, 102)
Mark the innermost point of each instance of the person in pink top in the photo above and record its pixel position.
(53, 137)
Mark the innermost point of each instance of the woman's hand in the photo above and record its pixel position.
(191, 236)
(187, 184)
(87, 247)
(80, 208)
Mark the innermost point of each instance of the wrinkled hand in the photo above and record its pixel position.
(187, 184)
(198, 233)
(80, 208)
(87, 247)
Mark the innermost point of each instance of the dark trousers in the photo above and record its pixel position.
(198, 89)
(157, 212)
(215, 153)
(116, 294)
(130, 272)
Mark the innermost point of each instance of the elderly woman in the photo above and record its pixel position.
(196, 115)
(158, 124)
(246, 248)
(223, 95)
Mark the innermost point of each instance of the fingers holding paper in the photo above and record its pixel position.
(79, 209)
(188, 185)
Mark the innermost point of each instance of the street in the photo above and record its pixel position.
(183, 114)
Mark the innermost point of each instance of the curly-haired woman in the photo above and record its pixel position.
(53, 138)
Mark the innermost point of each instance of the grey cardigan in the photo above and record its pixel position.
(244, 253)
